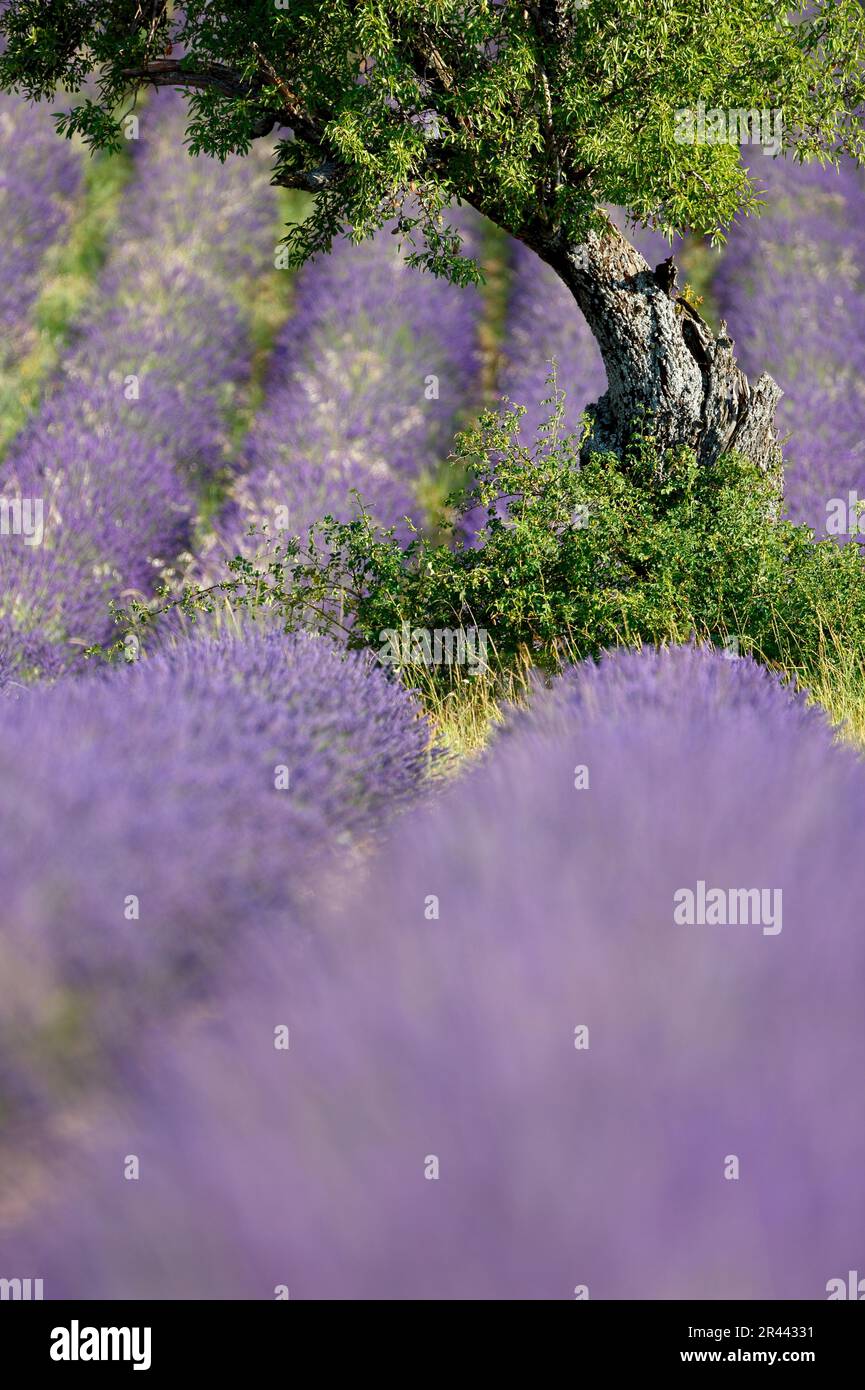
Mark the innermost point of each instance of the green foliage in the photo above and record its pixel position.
(571, 559)
(536, 113)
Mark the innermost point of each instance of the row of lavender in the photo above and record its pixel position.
(507, 1064)
(792, 288)
(160, 812)
(371, 373)
(374, 369)
(105, 475)
(367, 381)
(39, 179)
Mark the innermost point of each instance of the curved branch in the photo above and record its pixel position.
(216, 78)
(170, 72)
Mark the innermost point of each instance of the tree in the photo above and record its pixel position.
(537, 112)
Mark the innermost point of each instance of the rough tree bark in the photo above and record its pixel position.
(666, 370)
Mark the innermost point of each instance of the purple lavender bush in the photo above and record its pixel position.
(510, 1072)
(811, 336)
(371, 373)
(651, 680)
(168, 369)
(113, 513)
(156, 813)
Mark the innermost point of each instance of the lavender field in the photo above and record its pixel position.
(318, 982)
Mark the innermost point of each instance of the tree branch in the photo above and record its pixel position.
(316, 180)
(170, 72)
(215, 77)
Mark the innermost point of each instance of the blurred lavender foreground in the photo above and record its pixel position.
(155, 816)
(511, 1073)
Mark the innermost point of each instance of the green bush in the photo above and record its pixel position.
(572, 558)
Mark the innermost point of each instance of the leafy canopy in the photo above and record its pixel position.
(536, 113)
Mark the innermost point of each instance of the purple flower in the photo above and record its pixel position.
(153, 815)
(650, 681)
(113, 513)
(511, 1072)
(167, 368)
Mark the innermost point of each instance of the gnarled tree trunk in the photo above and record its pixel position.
(667, 373)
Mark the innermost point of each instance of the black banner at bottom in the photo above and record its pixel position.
(214, 1339)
